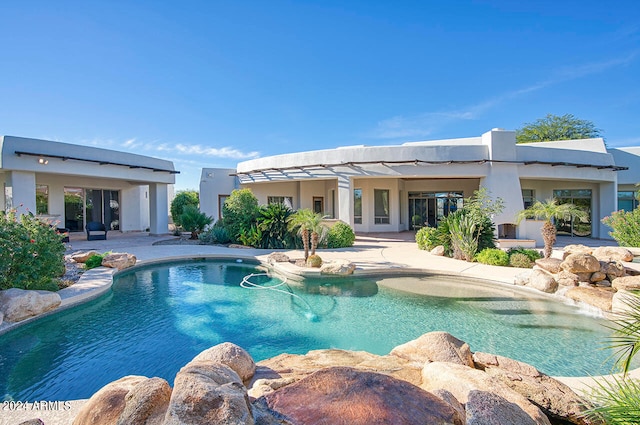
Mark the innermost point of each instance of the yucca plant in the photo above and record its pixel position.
(272, 222)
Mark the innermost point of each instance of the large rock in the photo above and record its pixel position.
(339, 267)
(623, 301)
(576, 249)
(119, 260)
(342, 395)
(542, 281)
(554, 398)
(438, 250)
(277, 257)
(485, 408)
(205, 392)
(596, 297)
(565, 278)
(132, 399)
(612, 269)
(580, 263)
(552, 265)
(435, 347)
(462, 381)
(82, 256)
(231, 355)
(19, 304)
(598, 277)
(522, 279)
(612, 253)
(627, 283)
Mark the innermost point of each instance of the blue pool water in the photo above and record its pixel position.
(158, 318)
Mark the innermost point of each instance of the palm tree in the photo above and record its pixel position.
(549, 211)
(307, 223)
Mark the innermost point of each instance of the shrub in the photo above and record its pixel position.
(314, 261)
(182, 199)
(493, 257)
(626, 227)
(519, 259)
(31, 253)
(216, 234)
(341, 235)
(239, 213)
(94, 261)
(194, 221)
(273, 223)
(428, 238)
(531, 254)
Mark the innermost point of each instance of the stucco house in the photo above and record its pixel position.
(73, 185)
(396, 188)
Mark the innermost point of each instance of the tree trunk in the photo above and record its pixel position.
(314, 242)
(548, 232)
(305, 243)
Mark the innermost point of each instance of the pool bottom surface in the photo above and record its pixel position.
(157, 319)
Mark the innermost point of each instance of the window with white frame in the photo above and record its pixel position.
(381, 206)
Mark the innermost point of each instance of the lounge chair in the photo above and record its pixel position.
(96, 231)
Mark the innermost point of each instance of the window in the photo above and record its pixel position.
(528, 197)
(580, 198)
(221, 201)
(286, 200)
(627, 200)
(42, 199)
(381, 206)
(357, 206)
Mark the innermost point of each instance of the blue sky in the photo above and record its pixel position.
(212, 83)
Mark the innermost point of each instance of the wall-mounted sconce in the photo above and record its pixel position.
(43, 161)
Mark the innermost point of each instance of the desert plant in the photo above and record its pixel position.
(251, 236)
(427, 238)
(531, 254)
(314, 261)
(182, 199)
(272, 221)
(519, 259)
(194, 221)
(493, 257)
(625, 227)
(549, 211)
(215, 234)
(310, 226)
(341, 235)
(239, 212)
(31, 252)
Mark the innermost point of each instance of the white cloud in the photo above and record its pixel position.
(185, 149)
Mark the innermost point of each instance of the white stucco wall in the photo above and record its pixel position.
(214, 182)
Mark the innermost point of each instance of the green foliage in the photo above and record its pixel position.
(626, 227)
(521, 260)
(427, 238)
(273, 223)
(31, 252)
(554, 127)
(314, 261)
(94, 261)
(463, 230)
(493, 257)
(311, 228)
(251, 236)
(531, 254)
(239, 213)
(182, 199)
(217, 234)
(341, 235)
(194, 221)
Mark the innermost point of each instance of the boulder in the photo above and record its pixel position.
(146, 403)
(277, 257)
(448, 398)
(438, 250)
(342, 395)
(580, 263)
(542, 281)
(205, 392)
(598, 276)
(461, 381)
(106, 406)
(231, 355)
(552, 265)
(596, 297)
(484, 408)
(584, 276)
(628, 283)
(435, 347)
(32, 422)
(553, 397)
(612, 269)
(565, 278)
(338, 267)
(20, 304)
(82, 256)
(576, 249)
(119, 260)
(522, 279)
(621, 301)
(612, 253)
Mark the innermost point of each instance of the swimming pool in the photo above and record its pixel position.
(157, 318)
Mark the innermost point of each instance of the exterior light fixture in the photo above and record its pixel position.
(43, 161)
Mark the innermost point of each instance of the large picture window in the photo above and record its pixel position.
(580, 198)
(627, 200)
(381, 206)
(357, 206)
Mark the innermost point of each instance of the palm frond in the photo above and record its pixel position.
(617, 401)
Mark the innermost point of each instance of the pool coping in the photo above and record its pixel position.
(98, 281)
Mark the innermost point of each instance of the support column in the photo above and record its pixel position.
(345, 200)
(158, 209)
(20, 191)
(607, 203)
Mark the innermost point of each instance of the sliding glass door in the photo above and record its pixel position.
(84, 205)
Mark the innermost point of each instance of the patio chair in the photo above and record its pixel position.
(96, 231)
